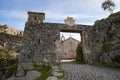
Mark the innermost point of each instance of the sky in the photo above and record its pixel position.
(14, 12)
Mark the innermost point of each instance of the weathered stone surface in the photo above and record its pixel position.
(22, 67)
(39, 41)
(52, 78)
(20, 71)
(10, 38)
(101, 38)
(31, 75)
(57, 74)
(16, 78)
(27, 66)
(105, 40)
(69, 21)
(105, 59)
(55, 68)
(9, 30)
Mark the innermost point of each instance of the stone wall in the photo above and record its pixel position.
(100, 42)
(38, 45)
(105, 40)
(39, 42)
(9, 30)
(10, 38)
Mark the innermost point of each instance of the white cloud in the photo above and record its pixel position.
(75, 5)
(56, 15)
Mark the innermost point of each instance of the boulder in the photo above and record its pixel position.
(52, 78)
(57, 74)
(31, 75)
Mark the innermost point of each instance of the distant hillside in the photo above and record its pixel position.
(9, 30)
(10, 36)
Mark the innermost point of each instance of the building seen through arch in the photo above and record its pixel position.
(68, 48)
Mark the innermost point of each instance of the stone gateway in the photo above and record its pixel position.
(100, 42)
(39, 41)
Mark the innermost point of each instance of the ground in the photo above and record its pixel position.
(75, 71)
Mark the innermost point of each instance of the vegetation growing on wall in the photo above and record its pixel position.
(105, 47)
(8, 63)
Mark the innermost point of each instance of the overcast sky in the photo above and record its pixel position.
(14, 12)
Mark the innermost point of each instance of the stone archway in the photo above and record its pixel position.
(39, 41)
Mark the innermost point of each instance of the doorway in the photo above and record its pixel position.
(69, 42)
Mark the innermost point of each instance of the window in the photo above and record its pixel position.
(35, 18)
(38, 41)
(65, 53)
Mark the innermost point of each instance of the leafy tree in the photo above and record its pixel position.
(79, 53)
(108, 5)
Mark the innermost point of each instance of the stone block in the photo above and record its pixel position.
(52, 78)
(20, 71)
(31, 75)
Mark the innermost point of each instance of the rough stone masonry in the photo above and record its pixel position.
(39, 41)
(100, 42)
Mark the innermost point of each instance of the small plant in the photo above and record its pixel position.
(108, 5)
(99, 64)
(105, 47)
(45, 70)
(97, 41)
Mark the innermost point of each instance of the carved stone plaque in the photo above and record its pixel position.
(70, 21)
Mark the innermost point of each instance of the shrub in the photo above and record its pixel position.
(79, 53)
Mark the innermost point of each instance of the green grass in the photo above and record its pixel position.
(45, 72)
(98, 64)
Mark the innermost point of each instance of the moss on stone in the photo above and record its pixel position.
(99, 64)
(97, 41)
(105, 47)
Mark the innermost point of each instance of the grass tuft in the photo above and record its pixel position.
(45, 72)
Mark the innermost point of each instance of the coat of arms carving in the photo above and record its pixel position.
(70, 21)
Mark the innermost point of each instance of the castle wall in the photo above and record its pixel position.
(39, 43)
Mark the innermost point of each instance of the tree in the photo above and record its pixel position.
(79, 53)
(108, 5)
